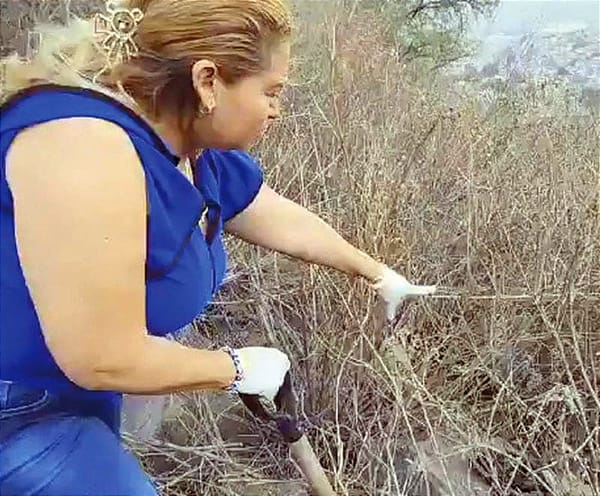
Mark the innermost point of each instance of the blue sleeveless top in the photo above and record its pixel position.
(184, 268)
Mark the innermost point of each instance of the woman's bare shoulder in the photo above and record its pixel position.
(74, 137)
(81, 152)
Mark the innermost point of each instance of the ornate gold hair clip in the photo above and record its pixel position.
(115, 31)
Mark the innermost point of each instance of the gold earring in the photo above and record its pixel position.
(203, 111)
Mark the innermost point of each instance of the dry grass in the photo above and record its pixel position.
(503, 381)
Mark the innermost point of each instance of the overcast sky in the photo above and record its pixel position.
(520, 16)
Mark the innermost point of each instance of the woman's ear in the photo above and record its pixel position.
(204, 76)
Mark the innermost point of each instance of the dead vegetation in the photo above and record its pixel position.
(492, 392)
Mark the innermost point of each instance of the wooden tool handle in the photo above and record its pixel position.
(305, 457)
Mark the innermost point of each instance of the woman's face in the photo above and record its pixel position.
(239, 113)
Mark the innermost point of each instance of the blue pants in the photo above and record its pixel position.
(48, 448)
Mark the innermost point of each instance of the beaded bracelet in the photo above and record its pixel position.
(239, 371)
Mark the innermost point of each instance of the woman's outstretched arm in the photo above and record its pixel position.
(277, 223)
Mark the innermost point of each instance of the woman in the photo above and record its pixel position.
(107, 247)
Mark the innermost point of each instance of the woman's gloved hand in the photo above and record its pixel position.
(394, 289)
(260, 370)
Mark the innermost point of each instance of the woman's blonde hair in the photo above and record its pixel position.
(236, 35)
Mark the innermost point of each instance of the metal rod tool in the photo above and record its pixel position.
(286, 419)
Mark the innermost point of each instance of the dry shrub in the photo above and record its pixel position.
(501, 205)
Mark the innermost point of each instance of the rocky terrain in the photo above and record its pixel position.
(573, 57)
(566, 53)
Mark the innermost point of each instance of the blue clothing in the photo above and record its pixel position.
(47, 451)
(184, 268)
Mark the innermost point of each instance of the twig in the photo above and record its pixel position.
(514, 297)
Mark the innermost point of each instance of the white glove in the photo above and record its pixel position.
(263, 370)
(394, 288)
